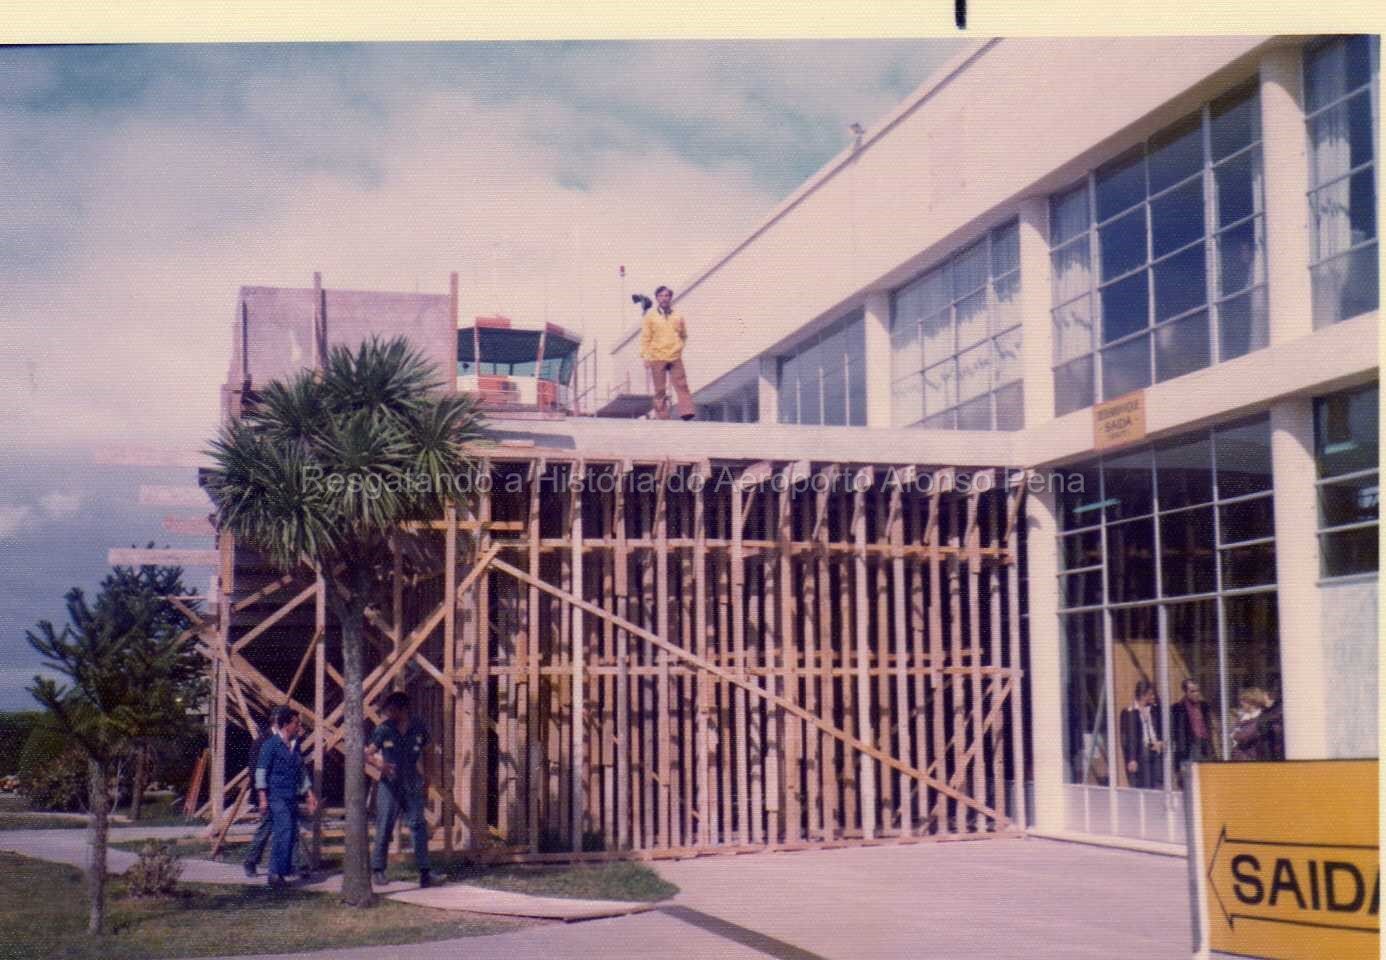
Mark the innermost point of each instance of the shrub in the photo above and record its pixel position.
(156, 872)
(59, 786)
(15, 728)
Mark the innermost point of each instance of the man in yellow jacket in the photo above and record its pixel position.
(662, 336)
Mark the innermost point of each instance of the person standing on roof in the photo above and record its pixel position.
(662, 336)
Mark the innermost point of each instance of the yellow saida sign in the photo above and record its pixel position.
(1284, 859)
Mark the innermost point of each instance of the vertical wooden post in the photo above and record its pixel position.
(703, 778)
(957, 539)
(896, 527)
(623, 785)
(974, 642)
(861, 481)
(917, 622)
(790, 587)
(877, 585)
(449, 668)
(579, 659)
(1015, 515)
(533, 752)
(738, 591)
(938, 651)
(319, 708)
(726, 812)
(828, 642)
(607, 684)
(662, 698)
(995, 681)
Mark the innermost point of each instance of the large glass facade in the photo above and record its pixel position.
(743, 406)
(1158, 257)
(1342, 107)
(955, 341)
(823, 380)
(1168, 618)
(1347, 454)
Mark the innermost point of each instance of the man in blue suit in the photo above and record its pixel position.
(281, 778)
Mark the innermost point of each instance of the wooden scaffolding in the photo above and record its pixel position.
(625, 658)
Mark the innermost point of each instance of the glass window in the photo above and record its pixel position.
(1151, 557)
(1141, 236)
(1243, 457)
(824, 379)
(1342, 78)
(967, 348)
(1085, 699)
(1346, 452)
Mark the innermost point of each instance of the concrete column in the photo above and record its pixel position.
(1046, 657)
(1297, 573)
(767, 390)
(878, 359)
(1037, 347)
(1284, 145)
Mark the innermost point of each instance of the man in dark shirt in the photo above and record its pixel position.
(281, 779)
(395, 748)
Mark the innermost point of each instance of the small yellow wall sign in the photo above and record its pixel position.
(1284, 859)
(1119, 421)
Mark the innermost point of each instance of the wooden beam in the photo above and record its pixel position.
(578, 767)
(749, 686)
(867, 776)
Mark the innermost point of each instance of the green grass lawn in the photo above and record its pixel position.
(202, 920)
(597, 881)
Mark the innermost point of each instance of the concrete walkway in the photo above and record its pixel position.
(70, 846)
(989, 900)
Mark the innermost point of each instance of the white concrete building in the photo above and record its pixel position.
(1050, 224)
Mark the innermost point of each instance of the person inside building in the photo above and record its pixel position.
(281, 778)
(1141, 743)
(396, 749)
(1258, 734)
(1191, 727)
(261, 839)
(663, 334)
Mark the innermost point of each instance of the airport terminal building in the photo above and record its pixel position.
(1151, 264)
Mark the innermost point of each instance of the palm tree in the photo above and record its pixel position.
(322, 468)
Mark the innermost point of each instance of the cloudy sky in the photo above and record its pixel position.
(141, 186)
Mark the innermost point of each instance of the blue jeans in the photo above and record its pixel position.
(390, 801)
(256, 850)
(284, 835)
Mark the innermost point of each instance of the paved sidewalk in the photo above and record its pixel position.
(70, 846)
(985, 900)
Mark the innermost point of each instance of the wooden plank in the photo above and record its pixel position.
(140, 557)
(623, 738)
(738, 617)
(607, 731)
(994, 572)
(790, 587)
(704, 774)
(828, 643)
(878, 570)
(268, 622)
(1014, 517)
(867, 774)
(645, 689)
(759, 691)
(319, 707)
(480, 732)
(726, 811)
(896, 531)
(974, 604)
(579, 662)
(937, 649)
(448, 784)
(533, 753)
(917, 615)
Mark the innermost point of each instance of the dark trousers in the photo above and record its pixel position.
(284, 835)
(392, 800)
(256, 850)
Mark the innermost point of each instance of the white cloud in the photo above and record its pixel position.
(15, 520)
(125, 332)
(59, 505)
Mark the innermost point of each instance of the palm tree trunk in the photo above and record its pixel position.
(356, 876)
(98, 795)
